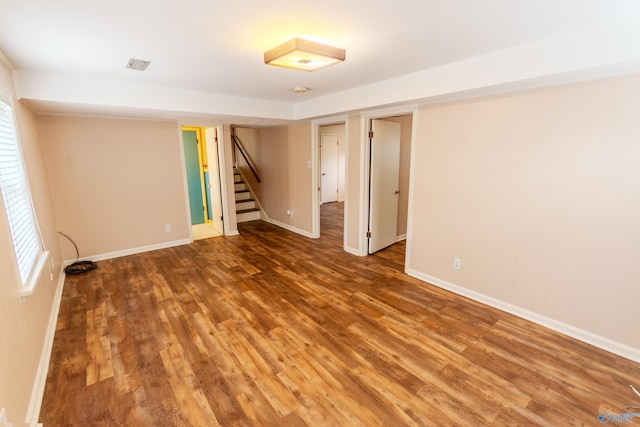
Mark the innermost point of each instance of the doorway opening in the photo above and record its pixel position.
(387, 159)
(201, 157)
(332, 154)
(329, 177)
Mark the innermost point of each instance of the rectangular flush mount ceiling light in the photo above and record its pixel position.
(302, 54)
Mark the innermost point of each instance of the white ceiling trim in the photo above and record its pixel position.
(87, 91)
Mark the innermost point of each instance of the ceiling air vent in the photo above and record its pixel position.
(138, 64)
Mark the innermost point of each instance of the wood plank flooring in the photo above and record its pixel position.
(272, 329)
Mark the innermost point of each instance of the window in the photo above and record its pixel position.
(17, 203)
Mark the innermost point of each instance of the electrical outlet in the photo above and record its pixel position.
(456, 263)
(167, 228)
(289, 213)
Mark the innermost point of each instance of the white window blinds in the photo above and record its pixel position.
(16, 196)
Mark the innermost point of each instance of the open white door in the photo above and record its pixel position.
(329, 168)
(383, 184)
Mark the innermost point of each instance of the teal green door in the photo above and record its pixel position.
(192, 163)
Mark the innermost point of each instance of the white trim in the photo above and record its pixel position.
(345, 207)
(4, 422)
(352, 251)
(363, 203)
(185, 184)
(315, 181)
(34, 277)
(365, 117)
(603, 343)
(133, 251)
(290, 228)
(401, 237)
(37, 392)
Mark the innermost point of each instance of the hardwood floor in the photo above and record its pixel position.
(270, 328)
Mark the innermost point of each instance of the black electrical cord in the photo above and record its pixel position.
(78, 267)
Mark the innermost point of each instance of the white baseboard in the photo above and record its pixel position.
(290, 228)
(401, 237)
(133, 251)
(582, 335)
(352, 251)
(3, 419)
(37, 392)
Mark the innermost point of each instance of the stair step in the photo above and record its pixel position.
(247, 215)
(246, 208)
(243, 195)
(245, 204)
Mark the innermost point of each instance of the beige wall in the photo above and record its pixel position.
(281, 155)
(538, 194)
(250, 139)
(353, 196)
(115, 183)
(23, 324)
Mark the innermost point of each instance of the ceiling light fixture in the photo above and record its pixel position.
(300, 89)
(301, 54)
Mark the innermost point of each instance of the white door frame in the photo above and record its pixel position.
(365, 119)
(316, 170)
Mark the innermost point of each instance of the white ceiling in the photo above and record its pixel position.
(214, 49)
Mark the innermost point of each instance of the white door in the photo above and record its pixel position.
(383, 190)
(329, 168)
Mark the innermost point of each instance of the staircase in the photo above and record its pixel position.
(246, 207)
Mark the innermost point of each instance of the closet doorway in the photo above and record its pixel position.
(386, 154)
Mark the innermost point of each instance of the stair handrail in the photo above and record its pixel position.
(247, 159)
